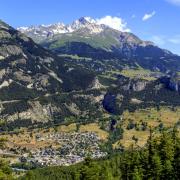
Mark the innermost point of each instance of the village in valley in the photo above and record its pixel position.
(74, 147)
(52, 148)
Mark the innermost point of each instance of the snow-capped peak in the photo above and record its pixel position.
(87, 23)
(23, 28)
(82, 22)
(85, 20)
(90, 20)
(45, 30)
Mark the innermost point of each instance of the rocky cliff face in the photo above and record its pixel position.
(172, 82)
(96, 84)
(137, 85)
(174, 85)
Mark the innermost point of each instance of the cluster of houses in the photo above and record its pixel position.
(73, 148)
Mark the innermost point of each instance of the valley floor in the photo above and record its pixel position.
(70, 144)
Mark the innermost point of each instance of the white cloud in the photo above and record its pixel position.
(114, 22)
(176, 2)
(148, 16)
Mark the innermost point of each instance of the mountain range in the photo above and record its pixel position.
(80, 73)
(86, 37)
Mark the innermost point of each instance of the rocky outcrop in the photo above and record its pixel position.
(36, 113)
(171, 82)
(137, 85)
(96, 84)
(174, 83)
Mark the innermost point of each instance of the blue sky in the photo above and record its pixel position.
(154, 20)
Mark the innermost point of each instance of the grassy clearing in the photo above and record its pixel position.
(75, 57)
(153, 117)
(108, 76)
(138, 73)
(94, 127)
(165, 116)
(127, 140)
(69, 128)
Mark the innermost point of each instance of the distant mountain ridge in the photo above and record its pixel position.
(83, 24)
(61, 28)
(85, 31)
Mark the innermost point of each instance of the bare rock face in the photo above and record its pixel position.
(36, 113)
(73, 108)
(138, 85)
(136, 101)
(172, 82)
(96, 84)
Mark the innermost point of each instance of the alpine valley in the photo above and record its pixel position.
(68, 92)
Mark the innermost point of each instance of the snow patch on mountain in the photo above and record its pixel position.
(92, 26)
